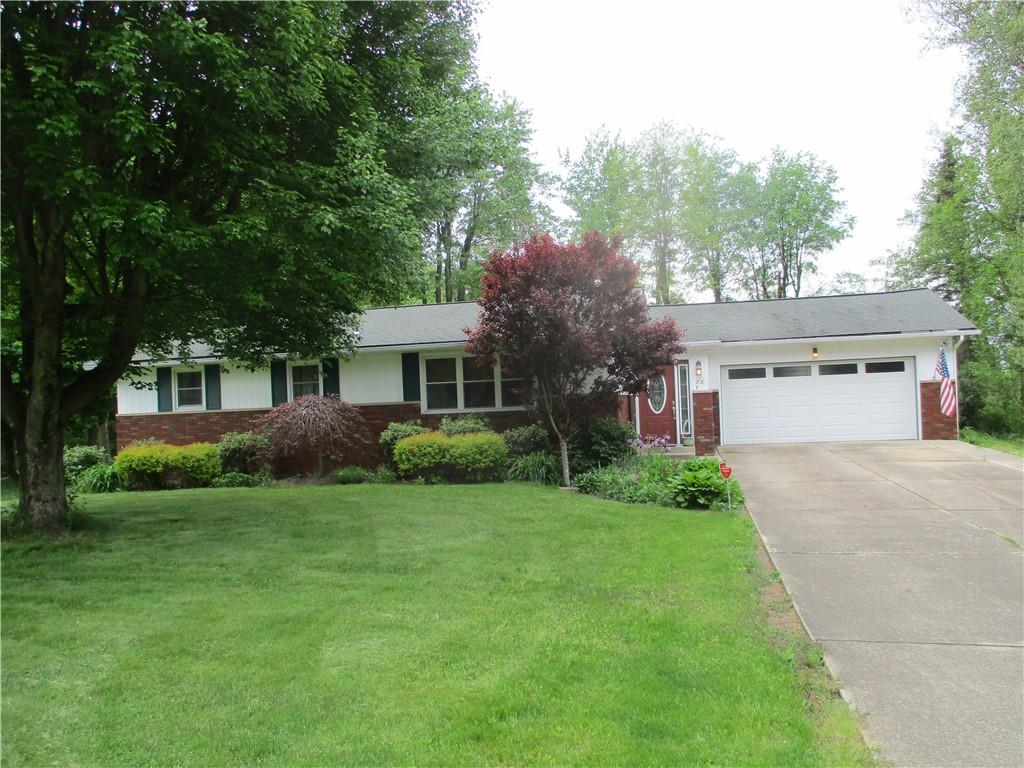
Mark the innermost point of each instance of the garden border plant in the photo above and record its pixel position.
(694, 483)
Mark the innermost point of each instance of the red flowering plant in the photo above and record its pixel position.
(572, 321)
(324, 427)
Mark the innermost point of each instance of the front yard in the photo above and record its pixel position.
(456, 625)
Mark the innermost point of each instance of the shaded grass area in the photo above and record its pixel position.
(391, 625)
(1012, 445)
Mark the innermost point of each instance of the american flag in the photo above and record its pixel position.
(947, 393)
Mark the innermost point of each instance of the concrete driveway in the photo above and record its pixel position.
(903, 560)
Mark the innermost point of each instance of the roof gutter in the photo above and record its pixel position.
(962, 332)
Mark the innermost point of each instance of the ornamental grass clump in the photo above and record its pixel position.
(539, 467)
(324, 428)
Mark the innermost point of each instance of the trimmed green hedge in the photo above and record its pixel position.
(158, 466)
(435, 457)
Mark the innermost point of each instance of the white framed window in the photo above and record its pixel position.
(478, 390)
(303, 379)
(454, 381)
(189, 389)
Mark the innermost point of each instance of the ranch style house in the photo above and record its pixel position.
(816, 369)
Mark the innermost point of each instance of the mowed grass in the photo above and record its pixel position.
(385, 625)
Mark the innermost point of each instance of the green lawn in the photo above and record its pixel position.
(364, 625)
(1012, 445)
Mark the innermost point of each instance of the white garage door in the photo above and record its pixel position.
(819, 402)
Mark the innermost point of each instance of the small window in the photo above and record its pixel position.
(477, 383)
(656, 393)
(190, 389)
(442, 383)
(747, 373)
(837, 369)
(790, 371)
(894, 366)
(305, 380)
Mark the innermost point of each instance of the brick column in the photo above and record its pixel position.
(934, 424)
(707, 431)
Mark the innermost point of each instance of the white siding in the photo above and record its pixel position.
(372, 377)
(241, 388)
(132, 400)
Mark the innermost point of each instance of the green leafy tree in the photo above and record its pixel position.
(240, 174)
(711, 214)
(487, 195)
(792, 215)
(678, 199)
(657, 203)
(598, 187)
(968, 243)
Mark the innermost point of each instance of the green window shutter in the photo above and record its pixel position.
(212, 376)
(332, 376)
(164, 382)
(411, 376)
(278, 382)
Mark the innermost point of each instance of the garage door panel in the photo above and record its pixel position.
(853, 400)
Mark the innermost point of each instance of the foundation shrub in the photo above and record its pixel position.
(158, 466)
(435, 457)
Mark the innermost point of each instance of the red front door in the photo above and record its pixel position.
(656, 407)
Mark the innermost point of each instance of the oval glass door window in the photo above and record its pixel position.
(656, 392)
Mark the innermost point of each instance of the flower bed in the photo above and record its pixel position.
(656, 479)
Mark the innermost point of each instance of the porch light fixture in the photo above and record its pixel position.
(814, 352)
(698, 371)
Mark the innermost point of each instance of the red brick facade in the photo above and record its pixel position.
(182, 428)
(934, 424)
(707, 429)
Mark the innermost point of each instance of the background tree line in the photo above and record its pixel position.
(968, 243)
(691, 214)
(695, 217)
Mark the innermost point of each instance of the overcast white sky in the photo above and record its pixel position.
(852, 82)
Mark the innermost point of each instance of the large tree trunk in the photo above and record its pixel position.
(37, 419)
(41, 473)
(38, 407)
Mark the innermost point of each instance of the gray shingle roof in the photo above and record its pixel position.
(419, 324)
(914, 311)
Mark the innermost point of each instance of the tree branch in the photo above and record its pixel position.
(122, 341)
